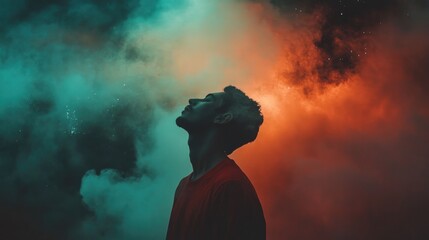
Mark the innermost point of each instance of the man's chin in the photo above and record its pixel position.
(181, 122)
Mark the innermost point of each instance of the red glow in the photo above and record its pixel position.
(338, 163)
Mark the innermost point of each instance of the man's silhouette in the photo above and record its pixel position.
(217, 200)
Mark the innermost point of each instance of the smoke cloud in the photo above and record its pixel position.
(90, 91)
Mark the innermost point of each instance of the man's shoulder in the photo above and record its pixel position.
(232, 175)
(227, 172)
(182, 183)
(184, 180)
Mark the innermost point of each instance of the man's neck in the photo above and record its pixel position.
(205, 152)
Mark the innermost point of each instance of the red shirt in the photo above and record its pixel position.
(220, 205)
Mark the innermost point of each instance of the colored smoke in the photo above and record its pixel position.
(90, 90)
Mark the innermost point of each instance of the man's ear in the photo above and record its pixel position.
(223, 118)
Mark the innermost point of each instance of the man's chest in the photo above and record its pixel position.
(195, 206)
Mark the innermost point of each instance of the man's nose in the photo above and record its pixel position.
(192, 101)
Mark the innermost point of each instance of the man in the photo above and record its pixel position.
(217, 200)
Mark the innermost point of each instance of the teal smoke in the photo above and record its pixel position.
(77, 126)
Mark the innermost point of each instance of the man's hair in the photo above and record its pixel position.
(247, 118)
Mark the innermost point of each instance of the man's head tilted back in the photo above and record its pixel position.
(217, 200)
(231, 114)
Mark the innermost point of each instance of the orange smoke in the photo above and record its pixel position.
(342, 153)
(345, 160)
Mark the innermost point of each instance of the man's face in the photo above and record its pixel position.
(200, 113)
